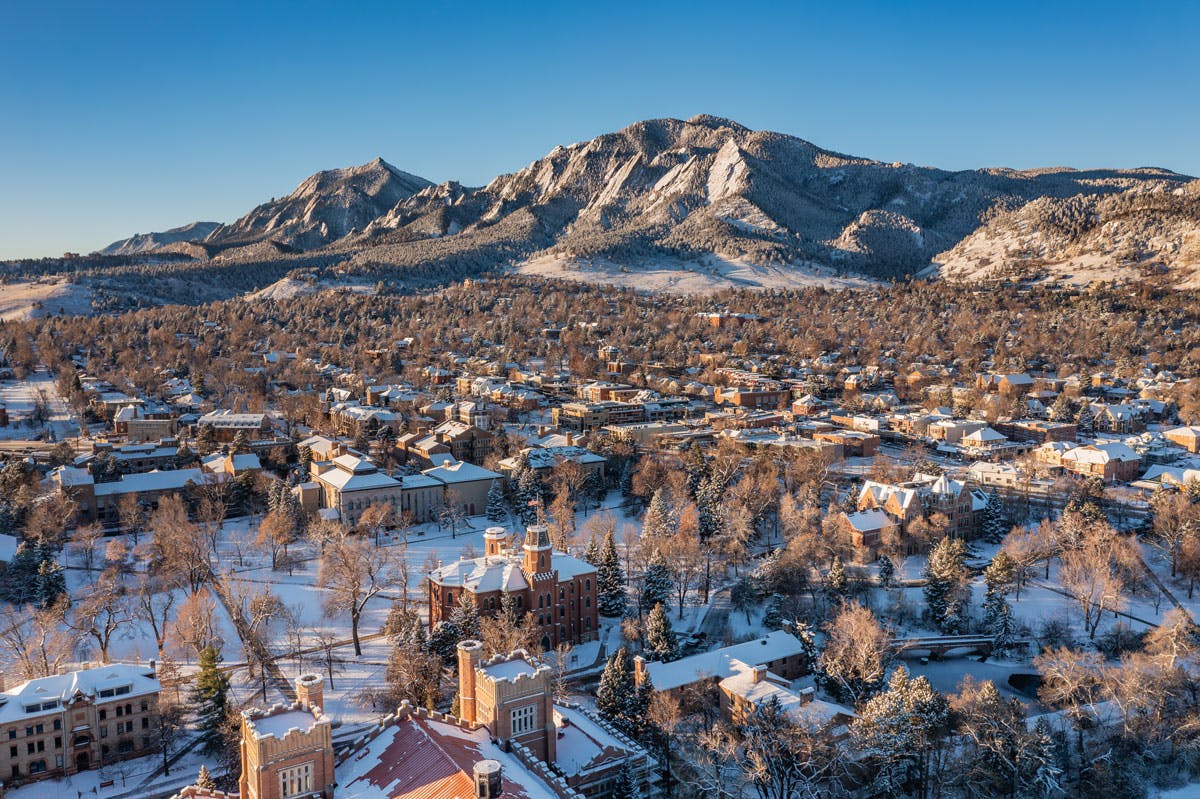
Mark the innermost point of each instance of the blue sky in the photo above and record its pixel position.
(123, 117)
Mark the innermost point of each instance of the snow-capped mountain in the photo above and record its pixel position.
(707, 195)
(324, 208)
(146, 242)
(709, 187)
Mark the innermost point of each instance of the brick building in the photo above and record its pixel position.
(558, 589)
(287, 751)
(61, 725)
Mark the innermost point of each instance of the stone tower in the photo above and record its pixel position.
(469, 654)
(310, 691)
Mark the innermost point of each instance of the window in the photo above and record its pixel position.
(145, 705)
(296, 780)
(103, 730)
(12, 751)
(41, 728)
(58, 724)
(587, 584)
(58, 742)
(37, 767)
(120, 711)
(128, 709)
(29, 730)
(12, 734)
(145, 723)
(523, 719)
(103, 714)
(29, 748)
(587, 602)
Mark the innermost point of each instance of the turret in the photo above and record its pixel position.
(470, 652)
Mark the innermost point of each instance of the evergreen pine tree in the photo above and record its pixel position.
(660, 520)
(837, 584)
(465, 617)
(773, 615)
(1085, 420)
(591, 553)
(443, 641)
(496, 512)
(993, 518)
(204, 780)
(945, 585)
(616, 694)
(1003, 630)
(210, 697)
(808, 644)
(641, 728)
(658, 583)
(1040, 771)
(625, 483)
(708, 505)
(1061, 411)
(626, 785)
(887, 572)
(896, 727)
(51, 583)
(529, 490)
(610, 579)
(660, 638)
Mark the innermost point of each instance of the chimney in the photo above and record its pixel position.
(310, 692)
(469, 654)
(489, 779)
(639, 669)
(759, 672)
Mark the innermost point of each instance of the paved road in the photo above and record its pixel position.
(716, 620)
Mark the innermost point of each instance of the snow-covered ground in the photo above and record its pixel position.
(21, 397)
(43, 297)
(687, 277)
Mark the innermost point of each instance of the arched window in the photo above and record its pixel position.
(587, 584)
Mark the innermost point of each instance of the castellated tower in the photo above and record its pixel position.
(511, 695)
(288, 750)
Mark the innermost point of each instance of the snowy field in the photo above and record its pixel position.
(21, 396)
(688, 277)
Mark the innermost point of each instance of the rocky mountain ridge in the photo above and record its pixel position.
(688, 194)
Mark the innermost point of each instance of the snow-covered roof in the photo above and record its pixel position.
(482, 575)
(868, 520)
(1102, 453)
(280, 724)
(985, 435)
(461, 472)
(721, 663)
(32, 698)
(421, 758)
(172, 480)
(346, 480)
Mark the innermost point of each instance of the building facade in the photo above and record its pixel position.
(61, 725)
(558, 590)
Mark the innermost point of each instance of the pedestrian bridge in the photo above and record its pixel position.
(943, 645)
